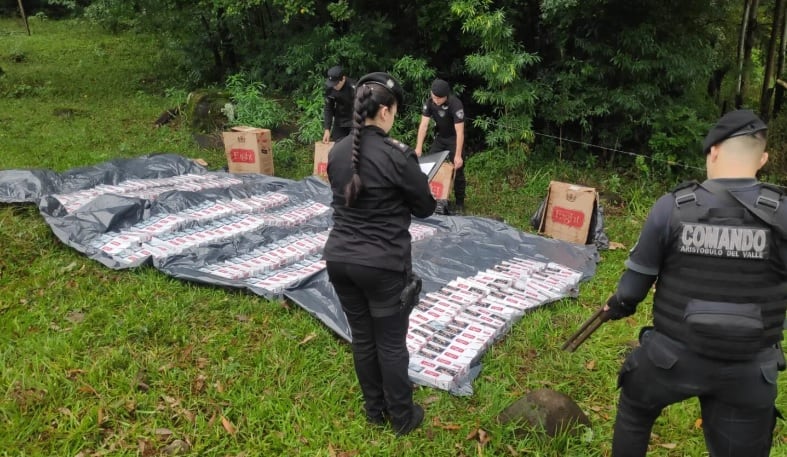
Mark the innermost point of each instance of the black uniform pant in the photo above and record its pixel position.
(460, 183)
(337, 133)
(737, 399)
(370, 300)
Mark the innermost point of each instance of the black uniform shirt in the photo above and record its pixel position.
(375, 231)
(338, 108)
(446, 115)
(647, 256)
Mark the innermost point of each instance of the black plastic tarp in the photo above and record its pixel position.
(251, 231)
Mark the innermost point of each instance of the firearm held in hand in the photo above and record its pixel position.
(587, 329)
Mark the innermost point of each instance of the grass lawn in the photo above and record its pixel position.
(99, 362)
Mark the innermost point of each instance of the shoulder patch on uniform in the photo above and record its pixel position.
(460, 114)
(397, 144)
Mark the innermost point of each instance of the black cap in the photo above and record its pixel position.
(735, 123)
(384, 79)
(441, 88)
(334, 76)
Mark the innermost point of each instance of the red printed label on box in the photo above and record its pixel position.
(570, 217)
(436, 188)
(242, 155)
(322, 168)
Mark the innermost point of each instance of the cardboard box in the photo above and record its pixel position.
(568, 212)
(248, 150)
(321, 151)
(443, 181)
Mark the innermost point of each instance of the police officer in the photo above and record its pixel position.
(718, 255)
(338, 110)
(448, 113)
(377, 187)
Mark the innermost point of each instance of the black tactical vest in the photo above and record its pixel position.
(722, 265)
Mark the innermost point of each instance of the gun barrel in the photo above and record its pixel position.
(587, 329)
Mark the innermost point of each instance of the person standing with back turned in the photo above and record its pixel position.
(718, 254)
(449, 115)
(377, 187)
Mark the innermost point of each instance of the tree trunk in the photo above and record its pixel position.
(24, 17)
(770, 61)
(229, 59)
(215, 48)
(745, 43)
(779, 93)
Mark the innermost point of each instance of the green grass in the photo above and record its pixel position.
(124, 363)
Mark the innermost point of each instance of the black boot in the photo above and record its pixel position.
(380, 418)
(415, 419)
(459, 209)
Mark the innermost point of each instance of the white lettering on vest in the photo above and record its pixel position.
(724, 241)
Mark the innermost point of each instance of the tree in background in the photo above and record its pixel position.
(646, 76)
(499, 62)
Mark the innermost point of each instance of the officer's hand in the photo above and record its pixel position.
(326, 137)
(458, 162)
(418, 152)
(616, 309)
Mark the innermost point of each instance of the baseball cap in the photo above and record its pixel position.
(441, 88)
(334, 76)
(735, 123)
(385, 80)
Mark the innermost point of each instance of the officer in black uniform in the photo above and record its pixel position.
(338, 111)
(449, 115)
(718, 254)
(377, 187)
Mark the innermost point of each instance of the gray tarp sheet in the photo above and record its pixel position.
(122, 196)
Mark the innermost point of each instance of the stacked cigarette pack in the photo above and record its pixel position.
(266, 261)
(420, 232)
(200, 225)
(276, 282)
(148, 189)
(451, 328)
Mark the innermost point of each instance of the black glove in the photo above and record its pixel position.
(618, 309)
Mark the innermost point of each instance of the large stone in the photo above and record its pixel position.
(544, 409)
(205, 110)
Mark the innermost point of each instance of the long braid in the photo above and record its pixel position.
(360, 111)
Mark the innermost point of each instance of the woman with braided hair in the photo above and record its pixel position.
(377, 187)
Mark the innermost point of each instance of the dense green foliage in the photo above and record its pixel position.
(563, 77)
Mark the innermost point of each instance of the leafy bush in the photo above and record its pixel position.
(310, 105)
(500, 61)
(251, 107)
(415, 75)
(676, 138)
(114, 16)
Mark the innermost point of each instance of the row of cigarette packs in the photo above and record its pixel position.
(420, 232)
(132, 245)
(159, 226)
(209, 210)
(275, 283)
(451, 328)
(270, 258)
(146, 188)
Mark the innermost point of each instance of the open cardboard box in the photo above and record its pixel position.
(568, 212)
(248, 150)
